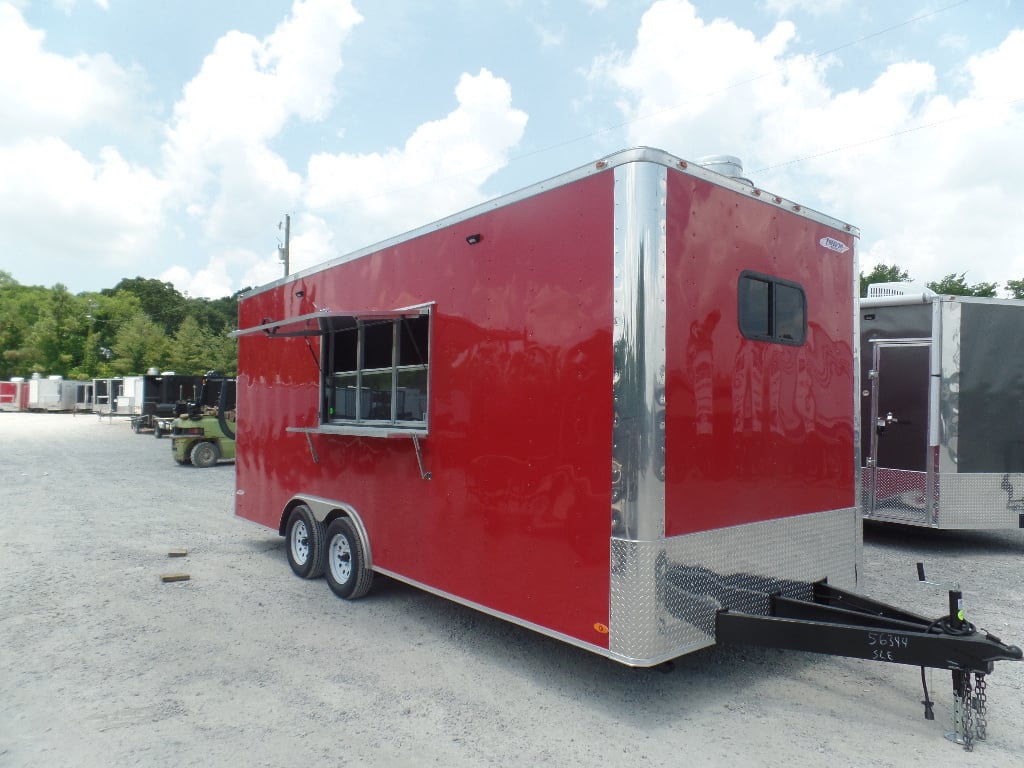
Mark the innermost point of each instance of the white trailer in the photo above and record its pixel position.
(53, 393)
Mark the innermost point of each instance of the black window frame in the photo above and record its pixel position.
(749, 326)
(407, 332)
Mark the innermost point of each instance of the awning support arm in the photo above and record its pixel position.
(419, 457)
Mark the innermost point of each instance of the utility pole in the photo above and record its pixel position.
(282, 251)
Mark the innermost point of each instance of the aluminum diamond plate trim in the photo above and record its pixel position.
(962, 500)
(976, 500)
(665, 593)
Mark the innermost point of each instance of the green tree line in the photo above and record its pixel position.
(952, 284)
(138, 324)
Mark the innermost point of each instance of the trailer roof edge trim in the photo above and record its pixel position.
(299, 325)
(621, 157)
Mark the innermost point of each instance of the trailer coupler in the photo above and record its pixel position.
(841, 623)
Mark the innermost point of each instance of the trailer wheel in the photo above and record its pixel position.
(204, 454)
(305, 536)
(137, 426)
(157, 432)
(346, 571)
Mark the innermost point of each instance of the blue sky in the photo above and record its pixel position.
(167, 139)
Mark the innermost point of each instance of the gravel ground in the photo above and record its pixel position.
(102, 664)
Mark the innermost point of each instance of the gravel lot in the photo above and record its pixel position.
(102, 664)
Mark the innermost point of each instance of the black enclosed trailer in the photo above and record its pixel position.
(942, 409)
(160, 398)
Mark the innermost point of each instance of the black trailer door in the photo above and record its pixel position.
(899, 419)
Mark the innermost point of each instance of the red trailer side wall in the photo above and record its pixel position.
(14, 395)
(754, 430)
(517, 514)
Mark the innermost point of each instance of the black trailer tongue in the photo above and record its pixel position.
(840, 623)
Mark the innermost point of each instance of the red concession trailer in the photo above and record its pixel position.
(617, 407)
(14, 395)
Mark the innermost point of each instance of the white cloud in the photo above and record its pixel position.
(217, 155)
(218, 158)
(439, 171)
(42, 93)
(549, 38)
(928, 179)
(69, 208)
(211, 282)
(813, 7)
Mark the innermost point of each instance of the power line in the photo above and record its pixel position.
(782, 68)
(724, 89)
(876, 139)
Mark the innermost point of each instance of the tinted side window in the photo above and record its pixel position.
(771, 309)
(755, 307)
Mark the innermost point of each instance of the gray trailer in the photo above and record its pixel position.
(942, 409)
(55, 393)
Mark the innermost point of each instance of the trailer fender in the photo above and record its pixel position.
(327, 511)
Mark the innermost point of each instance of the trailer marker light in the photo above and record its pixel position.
(474, 239)
(601, 628)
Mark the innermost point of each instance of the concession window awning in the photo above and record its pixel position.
(313, 323)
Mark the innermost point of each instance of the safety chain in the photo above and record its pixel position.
(963, 717)
(967, 715)
(981, 706)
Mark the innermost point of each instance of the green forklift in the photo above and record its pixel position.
(205, 433)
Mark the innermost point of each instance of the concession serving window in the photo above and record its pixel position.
(374, 369)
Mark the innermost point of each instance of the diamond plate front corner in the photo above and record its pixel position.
(665, 594)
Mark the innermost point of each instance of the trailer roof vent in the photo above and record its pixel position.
(877, 290)
(152, 371)
(727, 165)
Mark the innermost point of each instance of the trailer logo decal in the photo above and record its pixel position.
(833, 245)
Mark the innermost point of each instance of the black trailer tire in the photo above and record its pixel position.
(305, 537)
(204, 454)
(157, 432)
(137, 426)
(345, 570)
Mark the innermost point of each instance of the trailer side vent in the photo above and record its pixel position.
(877, 290)
(726, 165)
